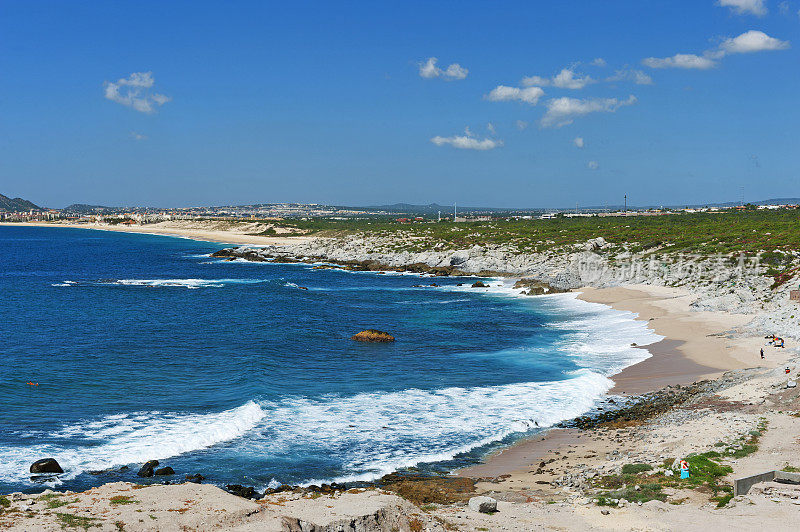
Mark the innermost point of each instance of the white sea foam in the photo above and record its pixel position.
(165, 283)
(132, 438)
(376, 433)
(596, 336)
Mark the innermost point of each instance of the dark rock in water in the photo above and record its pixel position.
(196, 478)
(147, 468)
(372, 335)
(46, 465)
(248, 492)
(280, 489)
(479, 284)
(164, 471)
(302, 288)
(536, 288)
(434, 285)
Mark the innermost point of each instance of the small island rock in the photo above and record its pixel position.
(46, 465)
(371, 335)
(479, 284)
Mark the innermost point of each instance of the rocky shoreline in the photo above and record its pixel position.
(722, 284)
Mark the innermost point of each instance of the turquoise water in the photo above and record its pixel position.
(145, 347)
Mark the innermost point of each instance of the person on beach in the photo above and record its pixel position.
(762, 353)
(684, 469)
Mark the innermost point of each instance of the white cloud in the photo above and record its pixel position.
(630, 74)
(504, 93)
(752, 41)
(134, 91)
(593, 165)
(521, 124)
(429, 70)
(566, 79)
(138, 136)
(456, 71)
(680, 61)
(783, 7)
(740, 7)
(467, 141)
(563, 111)
(599, 62)
(491, 128)
(748, 42)
(578, 142)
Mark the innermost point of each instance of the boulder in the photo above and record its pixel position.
(372, 335)
(196, 478)
(483, 504)
(479, 284)
(248, 492)
(147, 468)
(164, 471)
(46, 465)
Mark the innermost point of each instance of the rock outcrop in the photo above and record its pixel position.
(533, 287)
(46, 465)
(148, 468)
(482, 504)
(372, 335)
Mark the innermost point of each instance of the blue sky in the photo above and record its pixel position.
(206, 103)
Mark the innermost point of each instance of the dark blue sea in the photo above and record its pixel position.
(143, 347)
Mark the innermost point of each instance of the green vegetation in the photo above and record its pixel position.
(636, 468)
(726, 232)
(791, 469)
(54, 500)
(122, 499)
(634, 486)
(4, 503)
(75, 521)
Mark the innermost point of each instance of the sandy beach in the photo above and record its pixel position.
(239, 235)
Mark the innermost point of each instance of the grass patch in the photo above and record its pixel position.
(75, 521)
(746, 449)
(646, 492)
(122, 499)
(633, 469)
(54, 500)
(4, 503)
(724, 500)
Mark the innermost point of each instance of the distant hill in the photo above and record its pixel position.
(16, 204)
(82, 208)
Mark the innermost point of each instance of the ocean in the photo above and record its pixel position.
(120, 348)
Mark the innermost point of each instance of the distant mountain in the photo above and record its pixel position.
(16, 204)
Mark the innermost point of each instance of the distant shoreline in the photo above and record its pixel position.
(205, 235)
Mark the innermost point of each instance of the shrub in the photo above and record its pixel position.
(633, 469)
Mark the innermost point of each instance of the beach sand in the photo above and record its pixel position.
(697, 345)
(204, 231)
